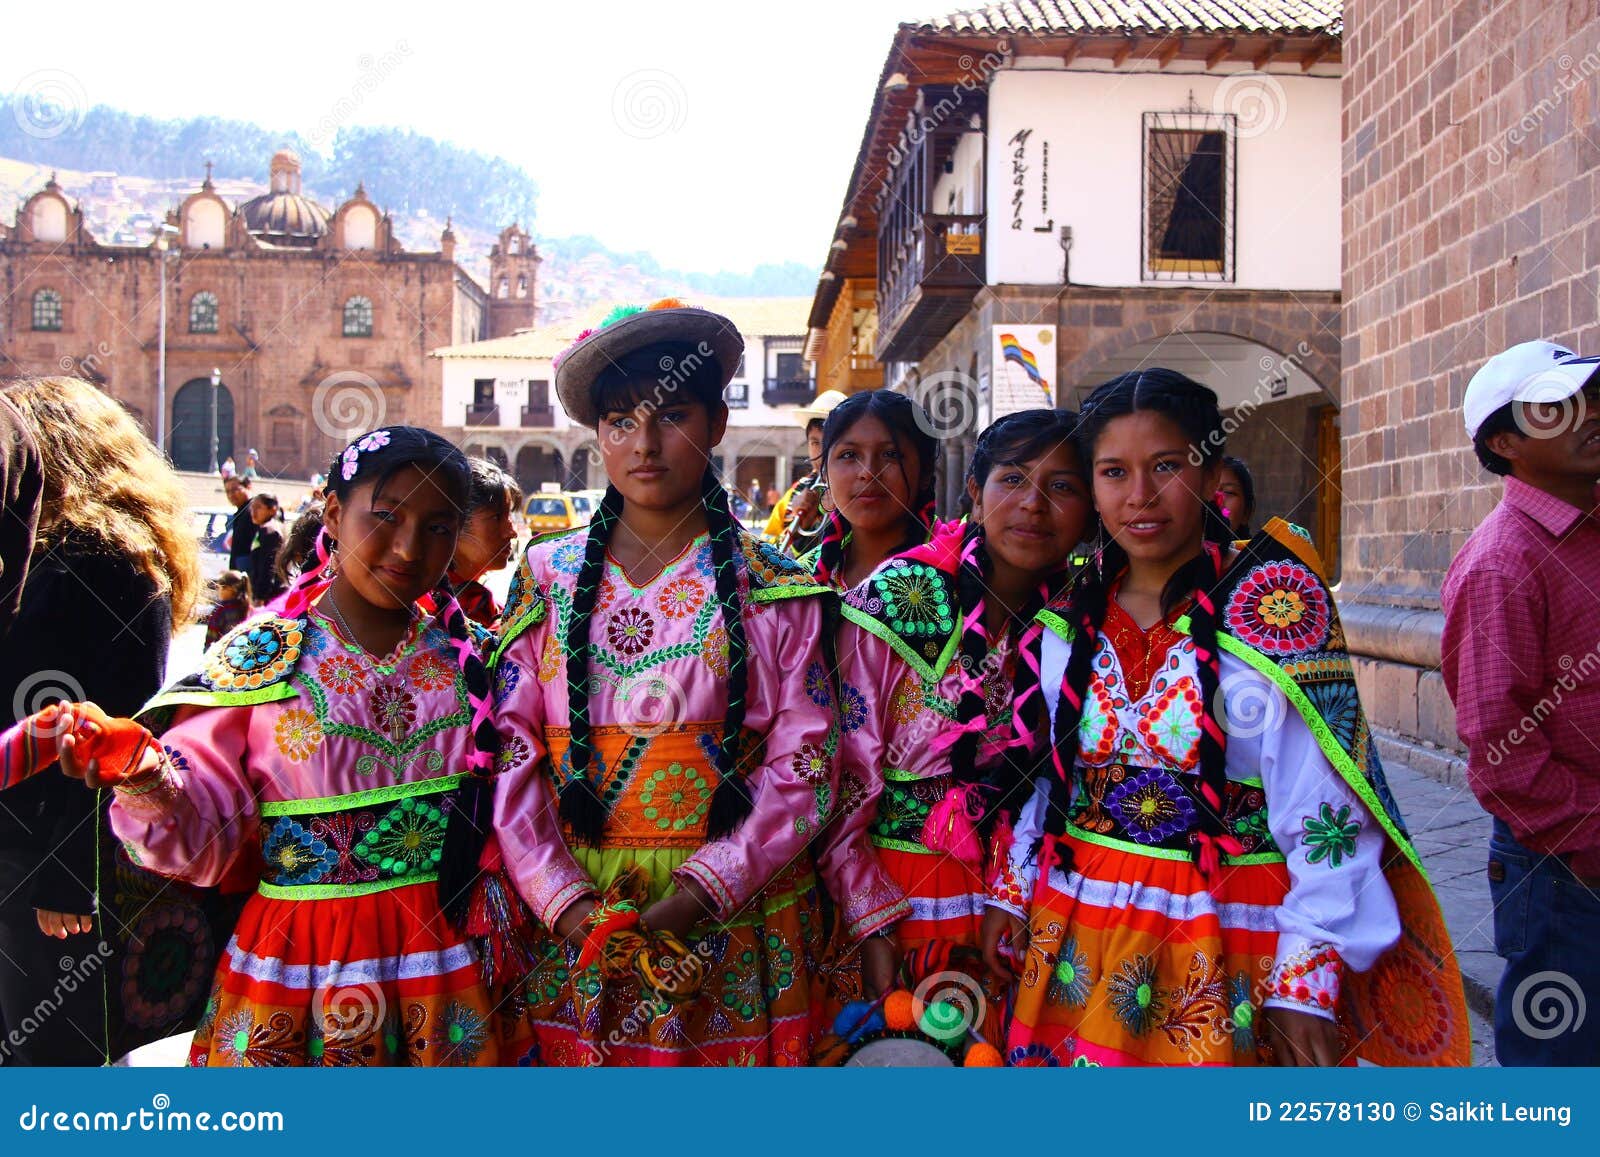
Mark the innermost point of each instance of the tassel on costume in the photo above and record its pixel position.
(582, 811)
(499, 922)
(730, 805)
(952, 825)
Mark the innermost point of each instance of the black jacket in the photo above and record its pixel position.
(90, 623)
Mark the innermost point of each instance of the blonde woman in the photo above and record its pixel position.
(114, 565)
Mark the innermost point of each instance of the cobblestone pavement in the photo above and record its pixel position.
(1452, 834)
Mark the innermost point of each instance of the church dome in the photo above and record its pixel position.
(282, 215)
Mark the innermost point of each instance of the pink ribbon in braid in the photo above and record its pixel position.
(971, 681)
(297, 600)
(482, 705)
(1209, 860)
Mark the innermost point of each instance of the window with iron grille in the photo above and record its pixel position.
(1188, 232)
(203, 313)
(358, 317)
(47, 310)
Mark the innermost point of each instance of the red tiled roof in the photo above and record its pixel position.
(1041, 17)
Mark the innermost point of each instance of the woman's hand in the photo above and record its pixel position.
(1301, 1039)
(679, 912)
(880, 964)
(570, 924)
(62, 924)
(1002, 928)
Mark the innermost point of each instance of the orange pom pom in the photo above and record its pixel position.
(982, 1055)
(667, 303)
(899, 1010)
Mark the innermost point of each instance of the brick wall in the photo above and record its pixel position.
(1278, 441)
(1470, 223)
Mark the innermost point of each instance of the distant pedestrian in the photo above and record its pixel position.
(232, 605)
(1236, 495)
(265, 513)
(1521, 644)
(252, 467)
(241, 530)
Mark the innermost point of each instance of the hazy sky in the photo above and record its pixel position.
(715, 135)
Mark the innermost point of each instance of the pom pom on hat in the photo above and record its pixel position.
(982, 1055)
(900, 1010)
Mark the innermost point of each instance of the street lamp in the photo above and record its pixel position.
(216, 380)
(161, 232)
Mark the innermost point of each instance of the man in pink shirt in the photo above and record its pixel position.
(1522, 663)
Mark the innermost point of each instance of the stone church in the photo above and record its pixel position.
(317, 321)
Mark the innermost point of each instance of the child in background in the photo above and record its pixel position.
(232, 606)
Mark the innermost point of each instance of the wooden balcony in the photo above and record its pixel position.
(928, 277)
(488, 415)
(538, 417)
(788, 391)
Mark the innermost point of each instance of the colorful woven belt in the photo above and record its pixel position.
(1157, 810)
(903, 809)
(353, 845)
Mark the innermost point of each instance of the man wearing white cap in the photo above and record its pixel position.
(802, 502)
(1521, 660)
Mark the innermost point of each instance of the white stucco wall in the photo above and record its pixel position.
(1287, 176)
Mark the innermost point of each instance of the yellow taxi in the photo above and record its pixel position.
(546, 513)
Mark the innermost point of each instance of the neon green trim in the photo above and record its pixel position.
(198, 697)
(1322, 733)
(355, 799)
(900, 775)
(899, 646)
(1164, 853)
(342, 891)
(1056, 623)
(900, 845)
(766, 594)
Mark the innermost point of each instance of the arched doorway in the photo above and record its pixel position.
(582, 469)
(537, 465)
(190, 441)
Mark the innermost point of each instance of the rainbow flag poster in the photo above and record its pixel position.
(1019, 353)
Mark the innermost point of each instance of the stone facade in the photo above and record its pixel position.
(318, 322)
(1471, 179)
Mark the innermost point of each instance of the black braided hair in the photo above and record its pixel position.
(1014, 439)
(1194, 409)
(581, 808)
(731, 801)
(910, 427)
(1247, 489)
(371, 460)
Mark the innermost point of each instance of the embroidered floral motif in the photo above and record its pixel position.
(916, 602)
(907, 701)
(780, 967)
(432, 672)
(630, 631)
(165, 967)
(1331, 835)
(1033, 1056)
(1097, 726)
(254, 654)
(681, 597)
(675, 797)
(1280, 609)
(743, 993)
(852, 709)
(1070, 978)
(298, 734)
(513, 754)
(1152, 806)
(567, 557)
(506, 677)
(295, 855)
(342, 673)
(394, 710)
(810, 764)
(1170, 726)
(408, 839)
(550, 659)
(714, 652)
(459, 1034)
(817, 685)
(1241, 1019)
(1135, 999)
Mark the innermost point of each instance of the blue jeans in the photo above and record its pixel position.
(1547, 928)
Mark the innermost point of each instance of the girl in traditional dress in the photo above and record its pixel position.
(328, 748)
(1213, 863)
(939, 662)
(656, 656)
(878, 455)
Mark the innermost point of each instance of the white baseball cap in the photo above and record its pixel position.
(1534, 371)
